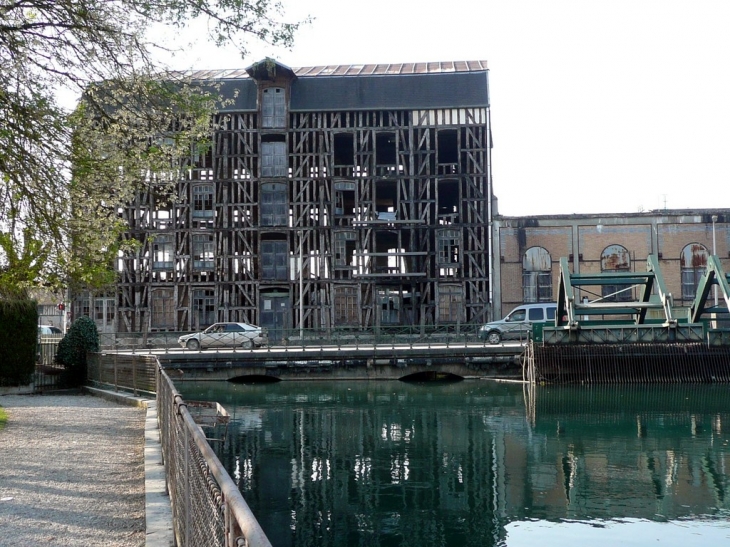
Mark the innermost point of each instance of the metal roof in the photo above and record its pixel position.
(352, 70)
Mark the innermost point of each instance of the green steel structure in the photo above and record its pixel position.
(615, 339)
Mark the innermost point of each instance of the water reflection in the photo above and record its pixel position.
(474, 463)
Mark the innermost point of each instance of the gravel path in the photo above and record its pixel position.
(71, 472)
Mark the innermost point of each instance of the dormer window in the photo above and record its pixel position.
(273, 107)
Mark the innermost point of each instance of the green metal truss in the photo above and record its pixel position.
(713, 275)
(576, 312)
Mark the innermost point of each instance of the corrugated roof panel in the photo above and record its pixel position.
(352, 70)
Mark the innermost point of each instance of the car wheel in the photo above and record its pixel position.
(247, 344)
(193, 344)
(493, 337)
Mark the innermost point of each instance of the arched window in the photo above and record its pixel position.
(616, 258)
(693, 263)
(537, 275)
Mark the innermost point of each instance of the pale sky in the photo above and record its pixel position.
(597, 106)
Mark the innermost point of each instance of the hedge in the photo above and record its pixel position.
(18, 339)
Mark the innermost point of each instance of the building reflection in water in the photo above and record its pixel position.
(386, 463)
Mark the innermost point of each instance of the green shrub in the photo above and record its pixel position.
(18, 339)
(81, 338)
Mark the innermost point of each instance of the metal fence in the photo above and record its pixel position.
(122, 371)
(207, 507)
(334, 337)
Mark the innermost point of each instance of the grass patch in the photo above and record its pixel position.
(3, 418)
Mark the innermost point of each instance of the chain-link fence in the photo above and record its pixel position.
(207, 507)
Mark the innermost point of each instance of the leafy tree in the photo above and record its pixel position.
(57, 223)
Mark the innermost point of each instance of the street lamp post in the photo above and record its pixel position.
(714, 252)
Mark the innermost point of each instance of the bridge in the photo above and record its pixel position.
(340, 361)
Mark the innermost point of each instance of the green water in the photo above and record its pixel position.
(479, 463)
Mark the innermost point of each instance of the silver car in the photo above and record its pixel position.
(518, 324)
(225, 335)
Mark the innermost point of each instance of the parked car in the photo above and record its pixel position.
(518, 323)
(228, 335)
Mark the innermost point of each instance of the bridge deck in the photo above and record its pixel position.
(362, 361)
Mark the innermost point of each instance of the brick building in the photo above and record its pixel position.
(528, 250)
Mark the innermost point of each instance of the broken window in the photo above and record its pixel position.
(162, 307)
(537, 277)
(448, 247)
(203, 251)
(274, 258)
(693, 263)
(616, 258)
(274, 159)
(346, 306)
(163, 252)
(450, 304)
(273, 107)
(274, 204)
(344, 248)
(203, 312)
(203, 201)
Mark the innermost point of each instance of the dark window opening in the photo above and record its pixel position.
(386, 199)
(448, 201)
(344, 149)
(385, 149)
(448, 149)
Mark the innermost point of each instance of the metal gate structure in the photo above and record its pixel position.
(615, 340)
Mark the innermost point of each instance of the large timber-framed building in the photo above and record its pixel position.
(339, 196)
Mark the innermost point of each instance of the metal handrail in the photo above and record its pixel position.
(221, 495)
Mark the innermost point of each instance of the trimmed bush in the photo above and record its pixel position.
(18, 339)
(81, 338)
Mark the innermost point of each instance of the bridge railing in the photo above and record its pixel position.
(303, 338)
(208, 508)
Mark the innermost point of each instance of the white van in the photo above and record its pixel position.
(518, 323)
